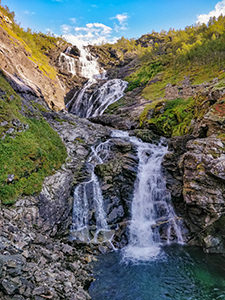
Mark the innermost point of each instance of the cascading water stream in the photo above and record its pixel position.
(151, 204)
(67, 64)
(108, 93)
(86, 193)
(98, 92)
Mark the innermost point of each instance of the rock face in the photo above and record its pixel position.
(186, 90)
(204, 188)
(78, 135)
(27, 77)
(117, 176)
(197, 167)
(50, 77)
(36, 261)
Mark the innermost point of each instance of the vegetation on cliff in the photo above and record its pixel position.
(170, 118)
(188, 59)
(30, 149)
(197, 51)
(37, 45)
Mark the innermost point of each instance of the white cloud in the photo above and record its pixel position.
(122, 19)
(65, 28)
(91, 33)
(96, 28)
(94, 33)
(218, 10)
(88, 39)
(30, 13)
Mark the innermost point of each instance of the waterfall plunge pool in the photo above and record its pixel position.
(179, 273)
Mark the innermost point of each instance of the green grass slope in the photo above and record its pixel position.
(30, 149)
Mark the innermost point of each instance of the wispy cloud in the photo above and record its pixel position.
(96, 28)
(122, 22)
(29, 13)
(121, 18)
(73, 20)
(216, 12)
(65, 28)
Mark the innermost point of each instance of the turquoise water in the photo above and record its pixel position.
(179, 273)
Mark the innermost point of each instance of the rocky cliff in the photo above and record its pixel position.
(44, 154)
(35, 63)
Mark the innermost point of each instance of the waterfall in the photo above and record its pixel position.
(89, 67)
(153, 219)
(98, 92)
(151, 206)
(67, 64)
(95, 103)
(88, 195)
(85, 65)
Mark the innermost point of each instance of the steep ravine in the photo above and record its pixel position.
(40, 256)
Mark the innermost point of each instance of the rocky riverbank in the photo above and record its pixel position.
(34, 265)
(37, 261)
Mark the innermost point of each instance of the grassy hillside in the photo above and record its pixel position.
(196, 53)
(30, 149)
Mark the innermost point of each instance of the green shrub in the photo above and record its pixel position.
(143, 75)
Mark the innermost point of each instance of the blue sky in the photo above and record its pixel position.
(97, 21)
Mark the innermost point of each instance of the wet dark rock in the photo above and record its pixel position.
(115, 215)
(114, 121)
(117, 176)
(74, 51)
(147, 136)
(196, 180)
